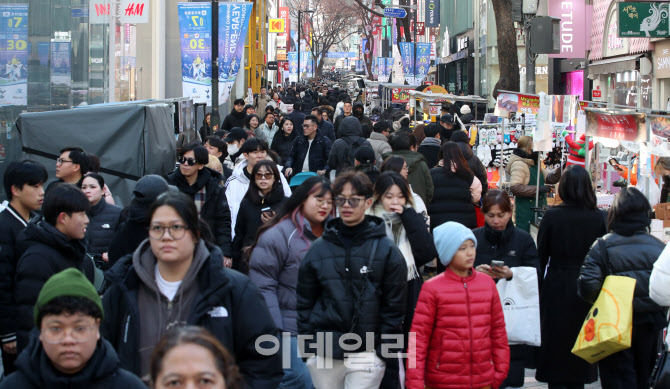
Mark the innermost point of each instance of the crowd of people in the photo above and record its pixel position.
(304, 245)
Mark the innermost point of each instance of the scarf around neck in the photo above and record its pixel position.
(396, 232)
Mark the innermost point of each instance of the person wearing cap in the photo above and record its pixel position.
(458, 321)
(69, 352)
(234, 140)
(365, 162)
(447, 123)
(49, 244)
(431, 145)
(132, 229)
(236, 117)
(366, 124)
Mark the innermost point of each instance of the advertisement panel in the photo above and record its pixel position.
(293, 66)
(512, 102)
(631, 127)
(233, 25)
(61, 71)
(195, 26)
(407, 55)
(14, 54)
(422, 61)
(432, 16)
(644, 20)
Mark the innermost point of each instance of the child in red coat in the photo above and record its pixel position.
(459, 324)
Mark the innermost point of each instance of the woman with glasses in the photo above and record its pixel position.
(262, 202)
(176, 278)
(283, 139)
(276, 256)
(103, 219)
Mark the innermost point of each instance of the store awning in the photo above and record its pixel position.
(613, 65)
(432, 70)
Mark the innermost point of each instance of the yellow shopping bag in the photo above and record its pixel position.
(609, 325)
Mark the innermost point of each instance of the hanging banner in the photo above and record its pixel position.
(285, 36)
(407, 53)
(432, 16)
(61, 71)
(389, 67)
(233, 25)
(381, 68)
(293, 66)
(14, 54)
(360, 67)
(620, 127)
(512, 102)
(195, 26)
(422, 61)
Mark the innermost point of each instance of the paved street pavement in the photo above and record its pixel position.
(532, 383)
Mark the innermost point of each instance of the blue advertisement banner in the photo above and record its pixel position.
(195, 28)
(233, 26)
(407, 54)
(341, 54)
(14, 54)
(43, 49)
(389, 66)
(422, 61)
(359, 65)
(61, 70)
(292, 66)
(381, 67)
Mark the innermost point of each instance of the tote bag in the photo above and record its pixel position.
(520, 300)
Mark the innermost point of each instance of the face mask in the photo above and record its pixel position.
(233, 149)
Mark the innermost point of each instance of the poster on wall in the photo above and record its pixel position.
(14, 54)
(407, 53)
(233, 25)
(195, 26)
(513, 102)
(629, 127)
(61, 71)
(422, 61)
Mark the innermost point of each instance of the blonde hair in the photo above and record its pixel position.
(215, 164)
(525, 143)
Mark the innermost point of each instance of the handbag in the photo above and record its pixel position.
(520, 300)
(608, 327)
(660, 376)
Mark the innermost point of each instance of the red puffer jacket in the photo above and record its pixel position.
(460, 334)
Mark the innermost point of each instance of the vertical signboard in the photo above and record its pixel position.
(407, 54)
(195, 27)
(61, 71)
(283, 14)
(573, 34)
(422, 61)
(432, 16)
(14, 54)
(233, 25)
(293, 66)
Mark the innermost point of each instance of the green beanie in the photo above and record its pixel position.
(70, 282)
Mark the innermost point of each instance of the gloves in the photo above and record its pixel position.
(544, 189)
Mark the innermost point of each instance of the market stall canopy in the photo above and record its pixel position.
(438, 97)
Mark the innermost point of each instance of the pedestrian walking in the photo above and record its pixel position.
(396, 163)
(418, 174)
(103, 219)
(282, 143)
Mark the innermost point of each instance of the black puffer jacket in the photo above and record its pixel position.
(215, 211)
(452, 200)
(103, 219)
(331, 278)
(233, 119)
(34, 370)
(132, 230)
(227, 304)
(513, 245)
(45, 252)
(282, 144)
(630, 256)
(318, 153)
(475, 165)
(342, 154)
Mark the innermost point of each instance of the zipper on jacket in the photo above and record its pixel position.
(467, 299)
(125, 335)
(169, 306)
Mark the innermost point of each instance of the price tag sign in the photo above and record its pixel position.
(14, 54)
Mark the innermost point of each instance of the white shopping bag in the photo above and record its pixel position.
(520, 300)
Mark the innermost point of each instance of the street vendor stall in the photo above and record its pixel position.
(432, 98)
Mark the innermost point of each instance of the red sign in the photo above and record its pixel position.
(284, 65)
(620, 127)
(597, 93)
(428, 83)
(283, 14)
(400, 95)
(376, 25)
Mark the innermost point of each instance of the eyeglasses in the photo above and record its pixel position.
(264, 176)
(60, 161)
(306, 126)
(187, 161)
(354, 202)
(176, 231)
(57, 335)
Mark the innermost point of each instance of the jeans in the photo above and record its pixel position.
(363, 370)
(297, 376)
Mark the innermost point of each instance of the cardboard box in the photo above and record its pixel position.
(663, 211)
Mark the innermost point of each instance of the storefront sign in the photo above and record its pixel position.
(432, 16)
(283, 14)
(134, 12)
(620, 127)
(614, 45)
(643, 20)
(99, 12)
(597, 94)
(512, 102)
(400, 95)
(574, 15)
(662, 59)
(276, 25)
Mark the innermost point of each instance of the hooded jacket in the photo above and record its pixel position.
(221, 300)
(380, 144)
(233, 119)
(461, 340)
(327, 129)
(329, 294)
(297, 118)
(132, 230)
(237, 186)
(475, 165)
(34, 370)
(366, 124)
(342, 153)
(319, 152)
(44, 252)
(103, 219)
(282, 144)
(430, 149)
(215, 210)
(418, 174)
(273, 267)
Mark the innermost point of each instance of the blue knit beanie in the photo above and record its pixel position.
(449, 237)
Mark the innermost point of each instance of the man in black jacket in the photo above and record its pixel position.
(296, 116)
(431, 145)
(71, 166)
(236, 117)
(326, 128)
(366, 123)
(24, 187)
(202, 184)
(463, 141)
(47, 246)
(346, 108)
(344, 149)
(310, 152)
(352, 281)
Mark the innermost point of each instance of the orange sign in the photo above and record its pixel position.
(277, 25)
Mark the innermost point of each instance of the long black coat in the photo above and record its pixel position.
(282, 145)
(242, 318)
(103, 219)
(566, 235)
(132, 230)
(452, 200)
(45, 252)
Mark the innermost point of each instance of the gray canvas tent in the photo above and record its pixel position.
(131, 140)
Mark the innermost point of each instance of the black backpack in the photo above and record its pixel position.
(352, 148)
